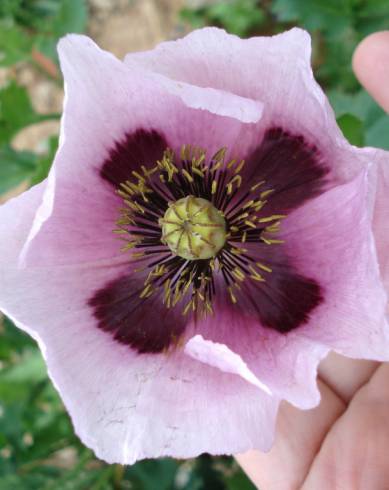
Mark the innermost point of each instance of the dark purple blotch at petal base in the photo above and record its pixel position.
(145, 324)
(143, 147)
(289, 165)
(296, 172)
(284, 302)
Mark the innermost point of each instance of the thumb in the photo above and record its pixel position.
(371, 66)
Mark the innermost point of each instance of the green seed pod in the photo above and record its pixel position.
(193, 228)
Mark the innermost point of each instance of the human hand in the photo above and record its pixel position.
(343, 443)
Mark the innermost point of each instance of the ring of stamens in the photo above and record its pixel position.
(188, 220)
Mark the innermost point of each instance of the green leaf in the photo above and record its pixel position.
(152, 474)
(37, 24)
(31, 368)
(45, 161)
(14, 43)
(361, 105)
(16, 111)
(240, 17)
(9, 8)
(329, 15)
(15, 167)
(13, 341)
(239, 481)
(378, 133)
(352, 128)
(372, 16)
(71, 17)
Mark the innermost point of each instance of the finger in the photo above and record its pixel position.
(346, 376)
(371, 66)
(299, 435)
(354, 453)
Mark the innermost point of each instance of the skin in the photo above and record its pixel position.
(343, 443)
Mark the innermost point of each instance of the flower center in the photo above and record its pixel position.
(193, 228)
(191, 221)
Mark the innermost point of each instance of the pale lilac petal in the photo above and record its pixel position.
(114, 396)
(223, 358)
(17, 216)
(125, 406)
(249, 67)
(215, 101)
(286, 364)
(330, 240)
(379, 204)
(106, 100)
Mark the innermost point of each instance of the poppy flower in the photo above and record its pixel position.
(205, 237)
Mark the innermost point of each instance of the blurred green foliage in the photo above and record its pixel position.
(27, 25)
(38, 448)
(241, 17)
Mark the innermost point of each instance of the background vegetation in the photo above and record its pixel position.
(38, 449)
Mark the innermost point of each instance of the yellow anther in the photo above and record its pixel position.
(238, 251)
(232, 296)
(248, 204)
(273, 217)
(219, 155)
(239, 167)
(147, 291)
(263, 267)
(197, 171)
(187, 307)
(266, 193)
(187, 175)
(250, 223)
(255, 275)
(138, 176)
(237, 179)
(258, 205)
(238, 274)
(271, 241)
(243, 216)
(255, 187)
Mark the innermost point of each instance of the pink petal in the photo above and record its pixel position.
(17, 217)
(285, 363)
(275, 70)
(330, 240)
(106, 100)
(125, 406)
(223, 358)
(115, 396)
(379, 192)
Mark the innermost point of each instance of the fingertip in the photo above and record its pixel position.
(371, 66)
